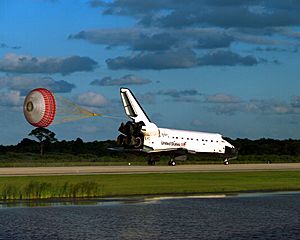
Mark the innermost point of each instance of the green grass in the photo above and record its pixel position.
(113, 185)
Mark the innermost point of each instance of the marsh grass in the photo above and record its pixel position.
(44, 190)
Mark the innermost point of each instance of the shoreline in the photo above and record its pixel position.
(143, 199)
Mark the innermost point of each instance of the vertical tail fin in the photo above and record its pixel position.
(132, 107)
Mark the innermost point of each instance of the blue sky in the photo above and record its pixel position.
(208, 65)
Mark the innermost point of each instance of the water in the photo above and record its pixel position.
(253, 216)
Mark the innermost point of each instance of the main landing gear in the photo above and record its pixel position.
(152, 160)
(172, 162)
(177, 157)
(226, 161)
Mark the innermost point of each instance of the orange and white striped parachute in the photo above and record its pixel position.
(40, 107)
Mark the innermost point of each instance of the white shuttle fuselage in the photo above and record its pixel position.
(144, 136)
(194, 142)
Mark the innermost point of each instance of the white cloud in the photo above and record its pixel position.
(125, 80)
(222, 98)
(27, 64)
(91, 99)
(11, 99)
(26, 83)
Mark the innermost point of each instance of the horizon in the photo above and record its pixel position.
(106, 140)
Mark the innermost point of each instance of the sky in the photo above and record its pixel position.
(231, 67)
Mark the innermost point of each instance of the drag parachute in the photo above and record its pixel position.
(39, 107)
(42, 108)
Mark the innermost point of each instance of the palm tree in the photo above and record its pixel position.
(44, 135)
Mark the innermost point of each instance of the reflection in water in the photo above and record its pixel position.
(71, 202)
(40, 203)
(265, 216)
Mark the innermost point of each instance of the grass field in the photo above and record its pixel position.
(113, 185)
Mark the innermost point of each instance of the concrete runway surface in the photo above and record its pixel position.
(85, 170)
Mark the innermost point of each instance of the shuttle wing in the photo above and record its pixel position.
(149, 150)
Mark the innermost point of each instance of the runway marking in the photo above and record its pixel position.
(86, 170)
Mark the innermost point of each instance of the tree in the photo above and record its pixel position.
(27, 145)
(78, 146)
(44, 136)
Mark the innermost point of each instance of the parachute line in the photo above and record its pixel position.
(69, 111)
(42, 108)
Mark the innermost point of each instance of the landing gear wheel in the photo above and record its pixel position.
(151, 162)
(172, 163)
(226, 162)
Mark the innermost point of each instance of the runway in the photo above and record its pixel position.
(85, 170)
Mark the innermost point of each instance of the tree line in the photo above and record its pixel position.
(46, 142)
(100, 148)
(267, 146)
(76, 147)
